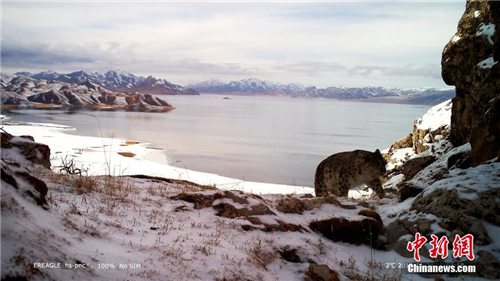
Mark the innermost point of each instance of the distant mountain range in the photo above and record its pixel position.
(124, 82)
(246, 86)
(378, 94)
(19, 91)
(117, 81)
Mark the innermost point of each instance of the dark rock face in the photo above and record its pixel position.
(460, 160)
(370, 214)
(227, 211)
(485, 137)
(36, 153)
(409, 190)
(290, 255)
(469, 62)
(365, 231)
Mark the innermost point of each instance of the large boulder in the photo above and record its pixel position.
(469, 62)
(32, 151)
(415, 165)
(15, 171)
(365, 231)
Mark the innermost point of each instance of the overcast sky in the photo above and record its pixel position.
(321, 44)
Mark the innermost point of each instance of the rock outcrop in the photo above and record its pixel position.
(365, 231)
(19, 153)
(32, 151)
(470, 63)
(457, 193)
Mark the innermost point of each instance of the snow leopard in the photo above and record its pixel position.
(345, 170)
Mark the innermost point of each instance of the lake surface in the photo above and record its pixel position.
(263, 139)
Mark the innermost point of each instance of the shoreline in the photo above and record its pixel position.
(120, 157)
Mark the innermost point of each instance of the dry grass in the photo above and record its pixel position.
(259, 255)
(83, 184)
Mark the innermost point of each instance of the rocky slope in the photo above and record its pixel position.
(378, 94)
(118, 81)
(25, 92)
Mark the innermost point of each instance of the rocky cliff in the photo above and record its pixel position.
(470, 63)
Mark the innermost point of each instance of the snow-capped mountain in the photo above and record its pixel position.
(115, 80)
(246, 86)
(258, 87)
(26, 92)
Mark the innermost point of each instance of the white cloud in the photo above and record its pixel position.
(308, 43)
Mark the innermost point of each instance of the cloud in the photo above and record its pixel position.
(427, 71)
(23, 55)
(312, 68)
(189, 42)
(318, 68)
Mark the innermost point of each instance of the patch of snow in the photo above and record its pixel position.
(392, 183)
(437, 116)
(360, 192)
(455, 39)
(487, 63)
(400, 156)
(487, 30)
(468, 183)
(477, 14)
(120, 101)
